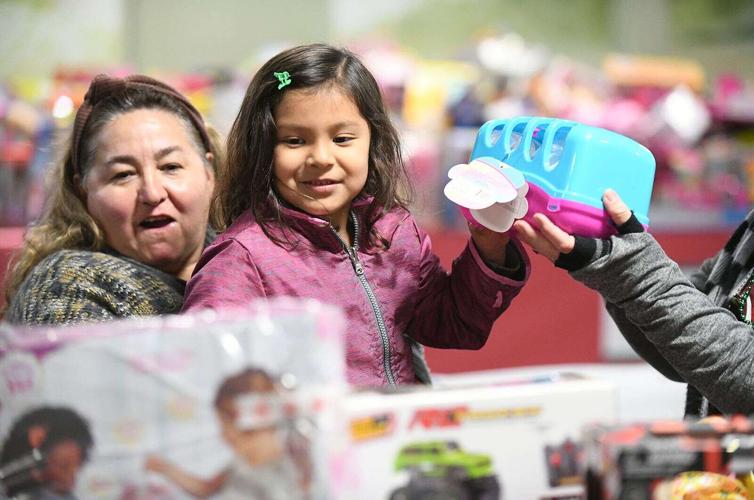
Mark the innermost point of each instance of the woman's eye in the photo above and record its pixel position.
(171, 167)
(124, 174)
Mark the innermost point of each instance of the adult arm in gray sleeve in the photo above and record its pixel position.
(705, 344)
(641, 345)
(639, 342)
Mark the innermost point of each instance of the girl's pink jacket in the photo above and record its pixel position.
(407, 292)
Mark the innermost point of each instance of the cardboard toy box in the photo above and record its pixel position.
(229, 406)
(513, 439)
(711, 458)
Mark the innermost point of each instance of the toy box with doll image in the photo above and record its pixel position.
(663, 460)
(468, 440)
(235, 405)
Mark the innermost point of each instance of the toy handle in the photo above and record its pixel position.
(508, 129)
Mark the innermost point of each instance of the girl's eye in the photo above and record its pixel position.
(342, 139)
(292, 141)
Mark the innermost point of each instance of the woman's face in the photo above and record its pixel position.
(149, 190)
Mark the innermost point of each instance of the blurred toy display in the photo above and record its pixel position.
(701, 133)
(26, 135)
(34, 113)
(712, 458)
(432, 88)
(626, 70)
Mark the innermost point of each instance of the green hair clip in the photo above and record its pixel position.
(284, 78)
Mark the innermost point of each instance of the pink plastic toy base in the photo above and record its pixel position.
(571, 217)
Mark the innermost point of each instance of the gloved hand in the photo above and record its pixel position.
(571, 252)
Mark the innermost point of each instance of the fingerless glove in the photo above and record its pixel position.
(587, 250)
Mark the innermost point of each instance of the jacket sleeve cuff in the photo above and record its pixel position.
(515, 270)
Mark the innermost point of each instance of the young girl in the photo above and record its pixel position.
(315, 195)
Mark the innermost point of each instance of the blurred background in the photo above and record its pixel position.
(675, 75)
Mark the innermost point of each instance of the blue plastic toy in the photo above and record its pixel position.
(568, 166)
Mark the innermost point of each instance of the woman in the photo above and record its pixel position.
(696, 330)
(129, 216)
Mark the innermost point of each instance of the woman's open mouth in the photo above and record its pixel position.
(156, 222)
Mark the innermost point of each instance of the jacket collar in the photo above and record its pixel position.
(319, 232)
(359, 206)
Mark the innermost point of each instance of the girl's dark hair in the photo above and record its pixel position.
(248, 183)
(60, 424)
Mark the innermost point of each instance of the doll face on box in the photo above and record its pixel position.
(250, 411)
(255, 445)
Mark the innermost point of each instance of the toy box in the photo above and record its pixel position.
(711, 458)
(568, 166)
(235, 405)
(512, 439)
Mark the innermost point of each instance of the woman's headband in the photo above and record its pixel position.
(104, 86)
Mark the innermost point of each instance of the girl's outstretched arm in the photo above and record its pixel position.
(196, 486)
(457, 309)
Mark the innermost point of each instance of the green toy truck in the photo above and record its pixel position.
(441, 470)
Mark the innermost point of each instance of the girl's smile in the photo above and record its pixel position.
(320, 187)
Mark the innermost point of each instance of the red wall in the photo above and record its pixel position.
(553, 320)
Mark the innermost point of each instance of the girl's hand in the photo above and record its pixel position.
(490, 245)
(551, 241)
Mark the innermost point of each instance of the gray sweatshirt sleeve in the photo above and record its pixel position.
(705, 344)
(640, 344)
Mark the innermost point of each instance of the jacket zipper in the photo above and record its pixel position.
(359, 270)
